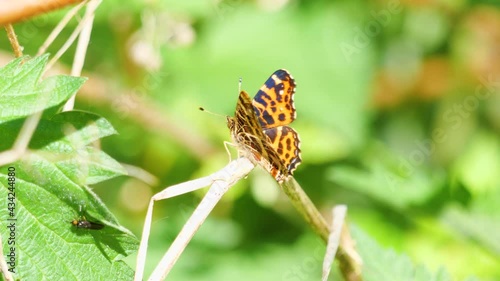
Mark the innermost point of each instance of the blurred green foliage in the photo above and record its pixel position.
(398, 106)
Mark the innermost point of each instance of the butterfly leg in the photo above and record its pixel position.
(226, 146)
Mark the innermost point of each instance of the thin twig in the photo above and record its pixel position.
(71, 39)
(306, 208)
(21, 144)
(18, 50)
(349, 261)
(141, 174)
(220, 182)
(59, 27)
(81, 47)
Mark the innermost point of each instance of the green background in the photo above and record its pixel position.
(398, 110)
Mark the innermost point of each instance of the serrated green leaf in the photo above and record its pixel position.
(22, 93)
(65, 139)
(46, 202)
(382, 264)
(51, 188)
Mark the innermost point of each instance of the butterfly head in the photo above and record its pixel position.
(230, 123)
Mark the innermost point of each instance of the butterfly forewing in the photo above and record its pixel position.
(273, 103)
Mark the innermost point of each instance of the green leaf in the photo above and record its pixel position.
(477, 167)
(381, 264)
(50, 189)
(64, 140)
(389, 178)
(476, 226)
(22, 93)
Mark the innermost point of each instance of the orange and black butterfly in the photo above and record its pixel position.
(259, 127)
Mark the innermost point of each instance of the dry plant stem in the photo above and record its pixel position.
(14, 11)
(306, 208)
(348, 258)
(22, 141)
(220, 182)
(81, 47)
(350, 261)
(59, 27)
(88, 16)
(338, 220)
(18, 50)
(140, 174)
(3, 265)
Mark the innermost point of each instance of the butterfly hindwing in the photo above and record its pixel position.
(285, 141)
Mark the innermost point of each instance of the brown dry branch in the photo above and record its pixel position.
(19, 10)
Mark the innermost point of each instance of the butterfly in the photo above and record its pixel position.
(259, 127)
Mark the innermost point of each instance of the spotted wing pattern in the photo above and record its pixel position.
(273, 102)
(259, 126)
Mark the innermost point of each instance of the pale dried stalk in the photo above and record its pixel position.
(21, 144)
(59, 27)
(81, 47)
(219, 183)
(339, 213)
(88, 17)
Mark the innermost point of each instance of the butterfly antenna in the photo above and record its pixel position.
(216, 114)
(239, 85)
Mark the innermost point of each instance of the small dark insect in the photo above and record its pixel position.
(82, 222)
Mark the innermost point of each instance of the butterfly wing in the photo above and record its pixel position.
(251, 139)
(285, 141)
(273, 103)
